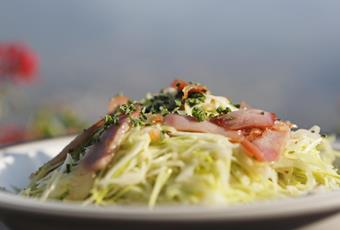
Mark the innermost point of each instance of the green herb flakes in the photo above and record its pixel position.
(195, 99)
(199, 114)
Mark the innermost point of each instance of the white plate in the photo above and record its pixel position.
(17, 162)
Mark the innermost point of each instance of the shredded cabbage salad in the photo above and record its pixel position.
(182, 167)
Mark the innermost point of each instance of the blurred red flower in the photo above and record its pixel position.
(12, 134)
(17, 62)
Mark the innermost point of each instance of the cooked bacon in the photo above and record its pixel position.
(192, 88)
(98, 157)
(283, 125)
(79, 140)
(264, 144)
(179, 84)
(101, 153)
(245, 118)
(156, 118)
(268, 147)
(252, 133)
(190, 124)
(76, 143)
(117, 101)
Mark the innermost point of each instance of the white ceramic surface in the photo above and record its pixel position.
(17, 162)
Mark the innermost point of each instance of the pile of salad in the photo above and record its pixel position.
(187, 146)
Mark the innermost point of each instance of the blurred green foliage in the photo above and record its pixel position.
(51, 122)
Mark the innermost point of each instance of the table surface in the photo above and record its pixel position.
(329, 223)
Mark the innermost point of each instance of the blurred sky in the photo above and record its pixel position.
(283, 56)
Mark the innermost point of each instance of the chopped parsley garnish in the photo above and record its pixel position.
(199, 114)
(237, 105)
(222, 110)
(163, 103)
(195, 99)
(136, 122)
(111, 119)
(125, 109)
(140, 120)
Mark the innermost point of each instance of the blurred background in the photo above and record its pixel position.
(283, 56)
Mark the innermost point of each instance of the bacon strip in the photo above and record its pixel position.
(189, 124)
(264, 144)
(76, 143)
(179, 84)
(268, 147)
(101, 153)
(192, 88)
(245, 118)
(98, 157)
